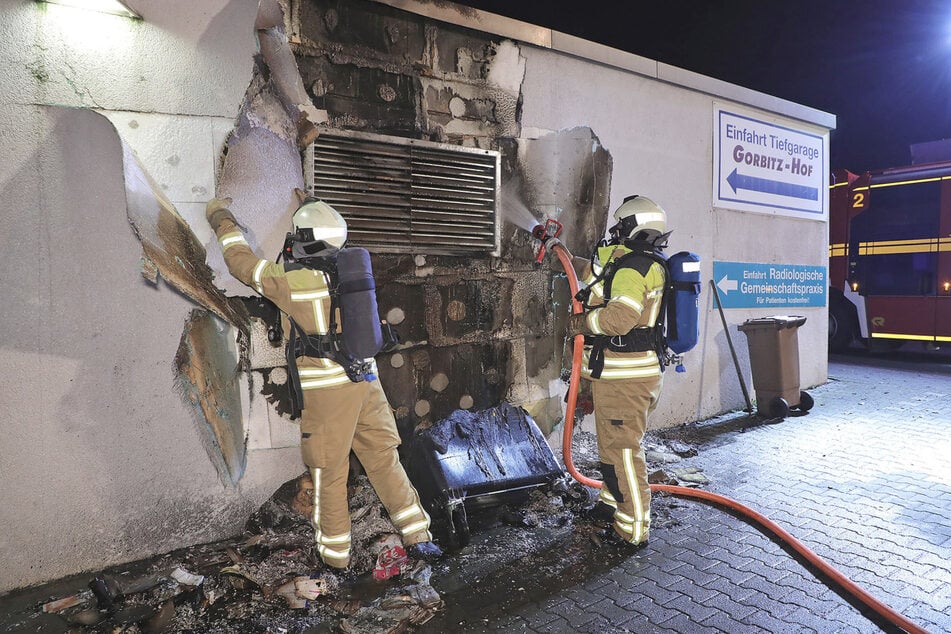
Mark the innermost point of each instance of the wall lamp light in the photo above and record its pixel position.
(115, 7)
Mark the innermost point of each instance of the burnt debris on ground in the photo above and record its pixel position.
(270, 578)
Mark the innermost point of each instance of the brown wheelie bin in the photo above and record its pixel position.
(774, 360)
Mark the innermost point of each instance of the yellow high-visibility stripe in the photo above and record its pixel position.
(258, 270)
(315, 516)
(627, 457)
(838, 249)
(607, 498)
(407, 512)
(342, 538)
(942, 338)
(330, 553)
(309, 385)
(629, 374)
(649, 358)
(627, 301)
(593, 323)
(624, 517)
(892, 335)
(309, 296)
(231, 239)
(933, 179)
(919, 245)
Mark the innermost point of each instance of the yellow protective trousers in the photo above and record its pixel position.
(358, 416)
(621, 408)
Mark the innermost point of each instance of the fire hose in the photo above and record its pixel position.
(847, 585)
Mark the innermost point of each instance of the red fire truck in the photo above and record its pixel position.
(890, 256)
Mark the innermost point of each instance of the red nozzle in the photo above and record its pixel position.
(543, 233)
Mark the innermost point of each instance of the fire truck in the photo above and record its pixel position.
(890, 256)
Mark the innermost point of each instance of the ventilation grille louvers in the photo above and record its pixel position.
(404, 195)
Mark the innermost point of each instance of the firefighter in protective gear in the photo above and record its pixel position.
(625, 384)
(338, 415)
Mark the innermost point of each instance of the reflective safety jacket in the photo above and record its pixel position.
(300, 292)
(635, 302)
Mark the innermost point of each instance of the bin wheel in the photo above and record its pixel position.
(805, 402)
(778, 407)
(457, 527)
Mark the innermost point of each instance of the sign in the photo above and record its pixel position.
(754, 285)
(766, 167)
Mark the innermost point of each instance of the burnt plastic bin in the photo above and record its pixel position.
(474, 460)
(774, 359)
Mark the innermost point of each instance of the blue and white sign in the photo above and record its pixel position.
(767, 167)
(755, 285)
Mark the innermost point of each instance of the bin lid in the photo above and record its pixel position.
(776, 322)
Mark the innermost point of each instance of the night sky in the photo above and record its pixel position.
(882, 67)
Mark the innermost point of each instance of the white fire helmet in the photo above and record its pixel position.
(640, 218)
(322, 221)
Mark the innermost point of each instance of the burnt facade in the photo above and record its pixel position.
(476, 330)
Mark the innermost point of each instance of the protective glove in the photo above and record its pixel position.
(216, 211)
(578, 325)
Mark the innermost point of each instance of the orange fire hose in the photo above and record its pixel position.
(746, 512)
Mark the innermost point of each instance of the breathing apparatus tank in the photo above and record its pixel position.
(683, 305)
(359, 314)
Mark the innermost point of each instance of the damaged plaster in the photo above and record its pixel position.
(208, 369)
(169, 247)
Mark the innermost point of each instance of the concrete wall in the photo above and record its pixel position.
(105, 458)
(130, 427)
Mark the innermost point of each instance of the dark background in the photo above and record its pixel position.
(882, 67)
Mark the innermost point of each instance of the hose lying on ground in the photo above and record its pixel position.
(747, 513)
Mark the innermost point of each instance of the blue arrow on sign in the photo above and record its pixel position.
(767, 186)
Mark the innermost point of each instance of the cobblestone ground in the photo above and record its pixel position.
(863, 480)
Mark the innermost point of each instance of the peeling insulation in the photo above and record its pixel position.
(169, 246)
(208, 371)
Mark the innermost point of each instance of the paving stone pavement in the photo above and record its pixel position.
(863, 480)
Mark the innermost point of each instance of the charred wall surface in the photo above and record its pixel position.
(476, 330)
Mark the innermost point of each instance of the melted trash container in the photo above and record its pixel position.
(774, 360)
(474, 460)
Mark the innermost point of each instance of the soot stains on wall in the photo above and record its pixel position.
(475, 331)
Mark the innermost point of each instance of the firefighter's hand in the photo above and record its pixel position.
(577, 325)
(216, 211)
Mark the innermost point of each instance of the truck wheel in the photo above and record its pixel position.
(843, 324)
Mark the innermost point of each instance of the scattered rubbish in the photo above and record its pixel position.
(62, 604)
(391, 558)
(270, 579)
(186, 578)
(662, 456)
(106, 590)
(691, 476)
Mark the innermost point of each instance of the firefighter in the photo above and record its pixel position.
(338, 414)
(622, 360)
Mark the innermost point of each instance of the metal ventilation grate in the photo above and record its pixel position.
(408, 196)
